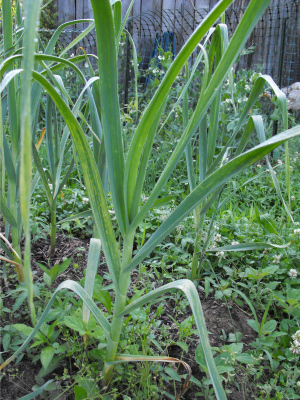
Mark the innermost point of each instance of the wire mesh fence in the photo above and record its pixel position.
(275, 41)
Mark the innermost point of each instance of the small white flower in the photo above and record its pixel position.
(85, 200)
(296, 336)
(86, 65)
(247, 87)
(216, 227)
(218, 238)
(279, 162)
(277, 258)
(258, 166)
(292, 197)
(72, 55)
(161, 57)
(297, 223)
(293, 273)
(296, 231)
(220, 254)
(234, 243)
(295, 349)
(298, 383)
(50, 186)
(40, 52)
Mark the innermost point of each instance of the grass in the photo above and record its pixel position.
(131, 310)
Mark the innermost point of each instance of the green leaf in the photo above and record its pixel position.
(77, 324)
(269, 326)
(225, 173)
(92, 181)
(7, 214)
(91, 271)
(46, 356)
(80, 393)
(254, 324)
(188, 288)
(245, 358)
(103, 296)
(249, 246)
(36, 392)
(173, 374)
(110, 112)
(27, 330)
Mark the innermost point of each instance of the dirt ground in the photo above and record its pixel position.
(19, 379)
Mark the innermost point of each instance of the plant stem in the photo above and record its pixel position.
(120, 303)
(53, 228)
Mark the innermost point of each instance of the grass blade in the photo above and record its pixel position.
(190, 291)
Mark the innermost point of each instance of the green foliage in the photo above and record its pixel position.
(143, 220)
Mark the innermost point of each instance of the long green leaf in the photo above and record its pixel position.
(249, 246)
(225, 173)
(250, 18)
(92, 181)
(110, 112)
(31, 13)
(188, 288)
(6, 213)
(91, 271)
(153, 111)
(36, 392)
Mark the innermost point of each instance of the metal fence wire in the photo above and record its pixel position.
(275, 40)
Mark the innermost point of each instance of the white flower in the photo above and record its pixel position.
(218, 238)
(279, 162)
(292, 197)
(247, 87)
(85, 200)
(216, 227)
(258, 166)
(220, 254)
(297, 223)
(293, 273)
(277, 258)
(161, 57)
(72, 55)
(295, 349)
(234, 243)
(296, 336)
(296, 231)
(298, 383)
(50, 186)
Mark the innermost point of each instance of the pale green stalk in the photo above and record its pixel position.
(14, 133)
(31, 13)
